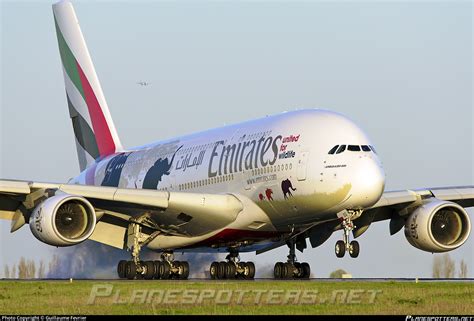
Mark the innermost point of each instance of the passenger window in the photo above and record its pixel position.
(353, 148)
(365, 148)
(333, 150)
(341, 149)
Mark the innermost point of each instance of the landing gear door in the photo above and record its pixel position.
(302, 165)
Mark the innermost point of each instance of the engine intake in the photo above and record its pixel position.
(438, 226)
(63, 220)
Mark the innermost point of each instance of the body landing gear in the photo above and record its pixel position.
(167, 268)
(232, 268)
(344, 245)
(291, 269)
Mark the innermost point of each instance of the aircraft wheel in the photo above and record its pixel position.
(251, 269)
(230, 270)
(131, 270)
(306, 270)
(149, 270)
(156, 269)
(221, 269)
(354, 249)
(277, 270)
(165, 270)
(213, 270)
(340, 248)
(184, 270)
(121, 269)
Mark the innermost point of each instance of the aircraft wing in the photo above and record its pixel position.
(174, 213)
(396, 205)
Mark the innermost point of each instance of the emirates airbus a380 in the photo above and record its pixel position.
(248, 187)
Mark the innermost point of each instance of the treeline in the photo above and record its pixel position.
(445, 267)
(27, 269)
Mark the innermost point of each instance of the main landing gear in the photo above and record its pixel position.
(167, 268)
(232, 269)
(292, 269)
(344, 245)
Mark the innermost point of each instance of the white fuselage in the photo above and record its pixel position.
(279, 162)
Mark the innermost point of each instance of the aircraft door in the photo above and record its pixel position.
(302, 165)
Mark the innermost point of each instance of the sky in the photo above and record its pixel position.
(402, 70)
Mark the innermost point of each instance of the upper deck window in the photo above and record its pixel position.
(353, 148)
(333, 150)
(365, 148)
(341, 149)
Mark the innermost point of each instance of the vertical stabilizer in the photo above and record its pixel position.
(94, 129)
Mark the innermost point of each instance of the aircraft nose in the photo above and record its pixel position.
(368, 182)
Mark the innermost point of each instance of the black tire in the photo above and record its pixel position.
(306, 270)
(284, 271)
(130, 270)
(149, 270)
(165, 270)
(156, 272)
(230, 270)
(184, 270)
(221, 269)
(299, 270)
(251, 268)
(289, 268)
(354, 249)
(213, 270)
(340, 248)
(277, 270)
(121, 269)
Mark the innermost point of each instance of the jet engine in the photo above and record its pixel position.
(63, 220)
(438, 226)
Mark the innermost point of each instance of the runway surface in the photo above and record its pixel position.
(411, 280)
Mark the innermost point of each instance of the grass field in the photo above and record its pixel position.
(236, 297)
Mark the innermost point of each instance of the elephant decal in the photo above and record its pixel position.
(113, 171)
(269, 193)
(155, 173)
(286, 188)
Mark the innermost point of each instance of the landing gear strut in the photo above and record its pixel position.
(291, 269)
(232, 268)
(344, 245)
(167, 268)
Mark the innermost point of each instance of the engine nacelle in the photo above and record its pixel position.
(438, 226)
(63, 220)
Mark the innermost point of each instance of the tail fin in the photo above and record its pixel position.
(93, 126)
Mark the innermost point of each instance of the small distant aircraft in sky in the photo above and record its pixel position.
(143, 83)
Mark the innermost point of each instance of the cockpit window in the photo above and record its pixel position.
(353, 148)
(333, 150)
(341, 149)
(365, 148)
(373, 149)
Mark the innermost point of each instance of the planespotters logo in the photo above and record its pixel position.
(157, 297)
(439, 318)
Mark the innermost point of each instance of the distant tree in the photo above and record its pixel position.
(13, 275)
(30, 269)
(54, 266)
(462, 269)
(337, 274)
(6, 271)
(22, 268)
(41, 270)
(443, 267)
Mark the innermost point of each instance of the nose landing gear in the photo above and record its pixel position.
(344, 245)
